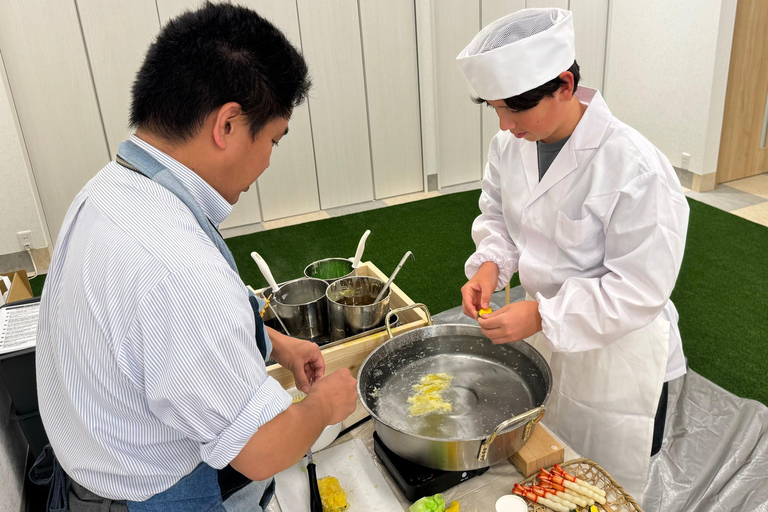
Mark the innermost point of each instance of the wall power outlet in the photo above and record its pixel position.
(25, 239)
(685, 161)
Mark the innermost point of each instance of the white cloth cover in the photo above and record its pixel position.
(519, 52)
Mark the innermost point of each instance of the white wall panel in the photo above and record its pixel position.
(18, 201)
(392, 84)
(495, 9)
(659, 72)
(561, 4)
(115, 59)
(459, 142)
(289, 186)
(47, 69)
(491, 11)
(590, 20)
(168, 9)
(330, 33)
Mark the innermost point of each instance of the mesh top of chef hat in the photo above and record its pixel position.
(510, 29)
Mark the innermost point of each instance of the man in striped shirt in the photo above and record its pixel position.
(150, 377)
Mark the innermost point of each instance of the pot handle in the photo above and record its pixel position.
(532, 417)
(407, 308)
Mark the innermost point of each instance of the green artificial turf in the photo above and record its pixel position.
(720, 294)
(722, 297)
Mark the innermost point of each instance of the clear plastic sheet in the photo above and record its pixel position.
(715, 452)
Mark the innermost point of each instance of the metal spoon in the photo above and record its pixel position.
(392, 277)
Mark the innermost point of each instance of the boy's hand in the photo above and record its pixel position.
(513, 322)
(476, 294)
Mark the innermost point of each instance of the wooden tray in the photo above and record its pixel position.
(617, 499)
(351, 354)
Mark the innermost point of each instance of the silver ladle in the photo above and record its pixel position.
(392, 277)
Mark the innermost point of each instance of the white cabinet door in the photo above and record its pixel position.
(460, 149)
(47, 69)
(289, 186)
(117, 35)
(167, 9)
(561, 4)
(330, 33)
(392, 84)
(492, 11)
(590, 23)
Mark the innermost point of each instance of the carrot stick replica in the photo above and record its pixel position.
(565, 494)
(560, 471)
(544, 493)
(571, 485)
(525, 493)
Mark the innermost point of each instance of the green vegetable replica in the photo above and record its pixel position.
(434, 503)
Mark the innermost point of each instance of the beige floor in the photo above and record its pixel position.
(756, 186)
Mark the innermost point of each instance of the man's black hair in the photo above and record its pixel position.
(208, 57)
(530, 99)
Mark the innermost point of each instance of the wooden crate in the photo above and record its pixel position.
(351, 354)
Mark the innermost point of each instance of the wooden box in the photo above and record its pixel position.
(351, 354)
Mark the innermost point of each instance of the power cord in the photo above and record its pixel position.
(29, 251)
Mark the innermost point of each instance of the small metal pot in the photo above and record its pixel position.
(302, 306)
(330, 269)
(498, 394)
(351, 305)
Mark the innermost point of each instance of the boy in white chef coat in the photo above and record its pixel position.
(593, 218)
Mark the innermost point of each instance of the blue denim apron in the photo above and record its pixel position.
(205, 488)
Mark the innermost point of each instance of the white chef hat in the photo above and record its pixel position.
(519, 52)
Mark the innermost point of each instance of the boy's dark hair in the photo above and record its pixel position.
(530, 99)
(208, 57)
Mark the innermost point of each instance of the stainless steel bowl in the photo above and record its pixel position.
(498, 393)
(352, 308)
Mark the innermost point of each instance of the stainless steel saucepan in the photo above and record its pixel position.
(352, 305)
(498, 393)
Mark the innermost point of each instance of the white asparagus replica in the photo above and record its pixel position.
(561, 472)
(546, 475)
(525, 493)
(550, 495)
(563, 493)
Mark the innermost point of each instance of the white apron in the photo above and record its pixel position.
(604, 401)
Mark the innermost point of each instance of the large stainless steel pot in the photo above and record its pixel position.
(498, 393)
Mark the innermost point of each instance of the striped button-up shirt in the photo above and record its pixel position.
(147, 363)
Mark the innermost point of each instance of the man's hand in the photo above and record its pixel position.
(282, 441)
(337, 393)
(513, 322)
(476, 294)
(301, 357)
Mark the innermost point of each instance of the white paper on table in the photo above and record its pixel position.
(18, 326)
(351, 463)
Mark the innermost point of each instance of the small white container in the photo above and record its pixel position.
(329, 433)
(511, 503)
